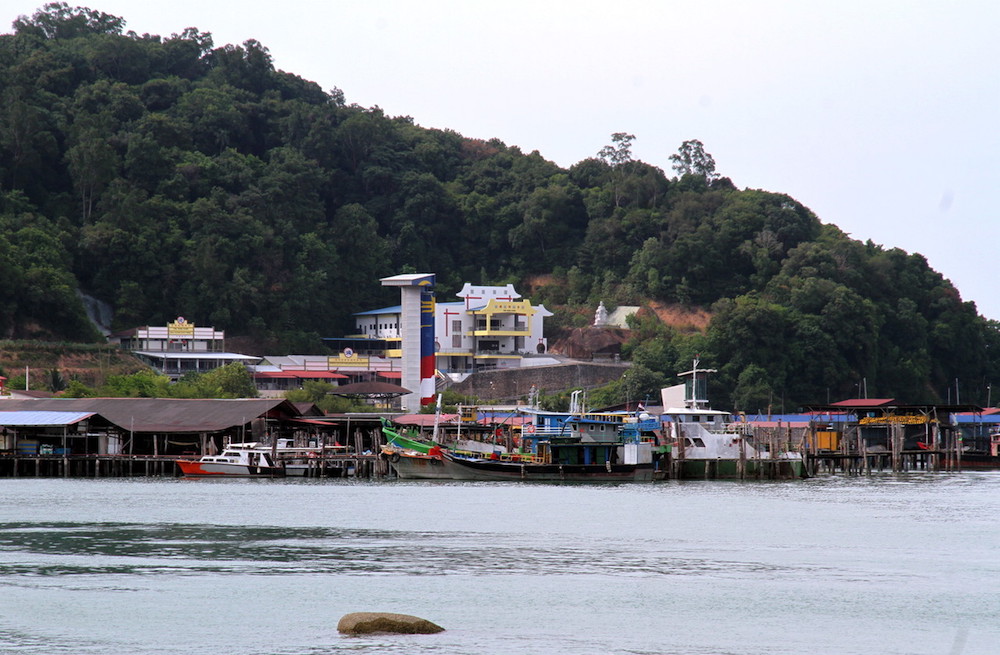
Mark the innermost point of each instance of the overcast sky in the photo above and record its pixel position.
(879, 115)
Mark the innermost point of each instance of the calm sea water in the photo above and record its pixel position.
(884, 565)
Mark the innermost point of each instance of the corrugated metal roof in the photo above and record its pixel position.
(165, 414)
(38, 419)
(370, 389)
(424, 420)
(306, 375)
(395, 309)
(316, 375)
(864, 402)
(204, 354)
(308, 409)
(779, 424)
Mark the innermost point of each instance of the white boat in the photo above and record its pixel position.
(708, 443)
(236, 460)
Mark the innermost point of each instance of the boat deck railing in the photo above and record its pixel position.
(524, 458)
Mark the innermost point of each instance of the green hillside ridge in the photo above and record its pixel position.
(50, 366)
(168, 175)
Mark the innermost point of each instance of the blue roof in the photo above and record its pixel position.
(395, 309)
(32, 418)
(976, 418)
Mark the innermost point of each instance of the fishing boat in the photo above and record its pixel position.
(396, 439)
(414, 465)
(586, 448)
(710, 444)
(986, 456)
(236, 460)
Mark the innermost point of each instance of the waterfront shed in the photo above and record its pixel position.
(39, 432)
(174, 426)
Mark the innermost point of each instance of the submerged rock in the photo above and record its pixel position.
(364, 623)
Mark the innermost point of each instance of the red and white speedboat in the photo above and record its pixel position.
(235, 461)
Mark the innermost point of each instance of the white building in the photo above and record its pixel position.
(490, 327)
(179, 348)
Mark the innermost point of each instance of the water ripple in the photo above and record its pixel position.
(60, 549)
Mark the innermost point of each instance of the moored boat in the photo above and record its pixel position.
(566, 462)
(236, 460)
(586, 449)
(413, 465)
(395, 438)
(708, 443)
(981, 459)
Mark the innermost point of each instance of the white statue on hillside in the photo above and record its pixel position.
(601, 316)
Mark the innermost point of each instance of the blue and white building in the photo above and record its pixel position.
(490, 327)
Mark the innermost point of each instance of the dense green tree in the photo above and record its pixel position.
(58, 21)
(551, 229)
(144, 384)
(618, 155)
(169, 175)
(691, 159)
(233, 381)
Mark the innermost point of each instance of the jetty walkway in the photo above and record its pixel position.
(13, 465)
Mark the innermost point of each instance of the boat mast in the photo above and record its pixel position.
(691, 399)
(437, 419)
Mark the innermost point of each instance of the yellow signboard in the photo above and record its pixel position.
(901, 419)
(347, 361)
(180, 328)
(508, 307)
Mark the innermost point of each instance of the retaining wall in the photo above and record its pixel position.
(511, 384)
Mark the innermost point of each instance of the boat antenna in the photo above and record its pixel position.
(692, 399)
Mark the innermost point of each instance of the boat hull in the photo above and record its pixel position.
(449, 467)
(975, 461)
(416, 466)
(193, 468)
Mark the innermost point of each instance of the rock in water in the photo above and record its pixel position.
(364, 623)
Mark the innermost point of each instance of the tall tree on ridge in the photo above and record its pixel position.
(616, 156)
(691, 159)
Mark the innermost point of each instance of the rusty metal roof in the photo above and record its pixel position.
(166, 414)
(864, 402)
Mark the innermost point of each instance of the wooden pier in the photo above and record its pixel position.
(130, 466)
(867, 463)
(852, 454)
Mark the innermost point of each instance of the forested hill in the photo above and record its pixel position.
(169, 175)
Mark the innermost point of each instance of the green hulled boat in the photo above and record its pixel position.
(411, 441)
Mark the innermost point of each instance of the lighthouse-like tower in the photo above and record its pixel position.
(416, 331)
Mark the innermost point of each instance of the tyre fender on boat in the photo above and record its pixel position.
(394, 457)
